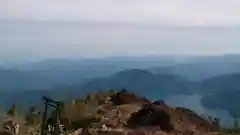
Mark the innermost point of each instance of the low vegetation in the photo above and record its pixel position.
(83, 113)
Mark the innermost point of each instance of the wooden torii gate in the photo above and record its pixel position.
(57, 105)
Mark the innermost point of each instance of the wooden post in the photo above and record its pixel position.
(56, 129)
(44, 119)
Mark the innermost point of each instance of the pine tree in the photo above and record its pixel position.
(236, 124)
(13, 111)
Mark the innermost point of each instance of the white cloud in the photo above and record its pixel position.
(158, 11)
(74, 39)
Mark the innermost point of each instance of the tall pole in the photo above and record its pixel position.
(44, 119)
(57, 125)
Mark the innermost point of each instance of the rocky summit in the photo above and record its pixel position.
(125, 113)
(128, 114)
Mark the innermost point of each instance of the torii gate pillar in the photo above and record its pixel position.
(57, 106)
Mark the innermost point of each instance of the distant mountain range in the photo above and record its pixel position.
(225, 100)
(138, 81)
(53, 73)
(198, 71)
(142, 82)
(155, 78)
(223, 93)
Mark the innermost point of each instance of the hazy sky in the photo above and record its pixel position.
(117, 27)
(164, 11)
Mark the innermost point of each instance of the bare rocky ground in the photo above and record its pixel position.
(124, 113)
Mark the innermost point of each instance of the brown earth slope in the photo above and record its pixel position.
(129, 114)
(125, 113)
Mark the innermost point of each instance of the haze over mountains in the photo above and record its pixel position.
(200, 68)
(53, 72)
(154, 77)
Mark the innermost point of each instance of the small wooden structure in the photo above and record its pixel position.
(57, 105)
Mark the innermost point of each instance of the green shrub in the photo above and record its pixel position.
(13, 111)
